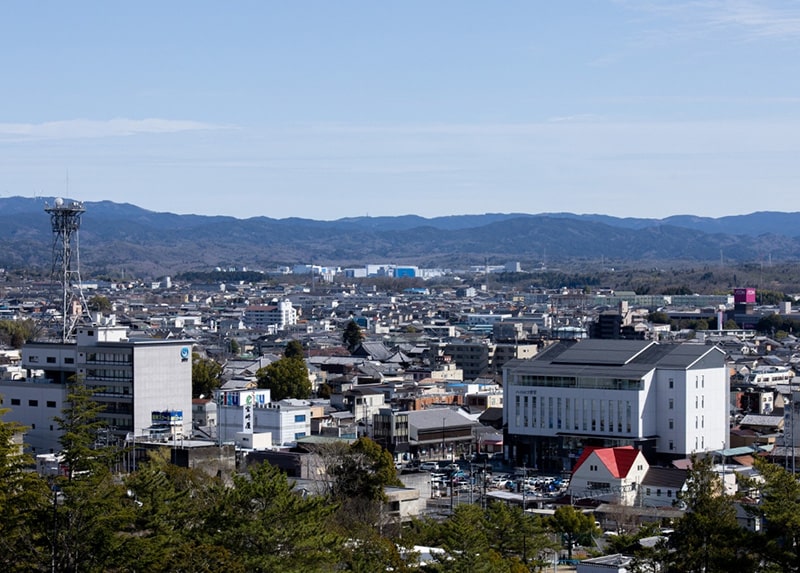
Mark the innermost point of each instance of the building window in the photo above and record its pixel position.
(300, 418)
(33, 426)
(671, 424)
(658, 492)
(671, 445)
(69, 360)
(33, 403)
(671, 404)
(15, 401)
(51, 359)
(648, 491)
(33, 359)
(51, 404)
(299, 435)
(671, 383)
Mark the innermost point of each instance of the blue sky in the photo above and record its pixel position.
(328, 109)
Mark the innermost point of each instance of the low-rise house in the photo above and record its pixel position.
(609, 474)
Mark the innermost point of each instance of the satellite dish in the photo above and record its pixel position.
(59, 202)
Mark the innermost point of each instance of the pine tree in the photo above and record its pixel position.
(352, 336)
(95, 507)
(779, 540)
(708, 537)
(271, 527)
(25, 503)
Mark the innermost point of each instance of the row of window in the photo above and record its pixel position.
(699, 402)
(51, 359)
(31, 403)
(573, 414)
(587, 382)
(109, 357)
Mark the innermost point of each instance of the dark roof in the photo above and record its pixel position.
(630, 359)
(491, 415)
(672, 478)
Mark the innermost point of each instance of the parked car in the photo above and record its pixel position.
(429, 466)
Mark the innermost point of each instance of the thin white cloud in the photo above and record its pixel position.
(94, 129)
(752, 19)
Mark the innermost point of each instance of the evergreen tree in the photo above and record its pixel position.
(358, 477)
(352, 336)
(95, 509)
(270, 527)
(80, 426)
(294, 349)
(573, 525)
(25, 503)
(285, 378)
(206, 376)
(466, 544)
(707, 538)
(778, 542)
(168, 533)
(517, 536)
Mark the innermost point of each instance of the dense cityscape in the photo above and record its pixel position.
(344, 420)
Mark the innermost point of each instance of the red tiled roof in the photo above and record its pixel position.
(617, 460)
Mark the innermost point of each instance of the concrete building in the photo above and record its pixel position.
(250, 411)
(272, 317)
(132, 378)
(670, 400)
(473, 358)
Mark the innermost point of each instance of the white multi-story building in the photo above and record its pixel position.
(669, 400)
(272, 317)
(251, 411)
(132, 378)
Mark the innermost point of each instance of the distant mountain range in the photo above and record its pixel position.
(120, 238)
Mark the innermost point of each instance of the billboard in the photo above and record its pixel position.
(744, 296)
(166, 418)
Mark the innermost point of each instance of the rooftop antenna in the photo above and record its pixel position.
(65, 219)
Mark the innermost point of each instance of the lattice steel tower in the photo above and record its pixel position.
(66, 221)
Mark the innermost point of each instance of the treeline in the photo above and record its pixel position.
(161, 517)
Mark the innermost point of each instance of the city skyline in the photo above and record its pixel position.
(323, 111)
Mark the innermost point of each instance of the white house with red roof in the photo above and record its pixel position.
(613, 475)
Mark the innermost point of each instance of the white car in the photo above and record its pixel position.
(429, 466)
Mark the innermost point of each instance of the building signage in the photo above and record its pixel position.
(166, 417)
(185, 354)
(248, 406)
(237, 398)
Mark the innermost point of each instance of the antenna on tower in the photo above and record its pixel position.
(65, 220)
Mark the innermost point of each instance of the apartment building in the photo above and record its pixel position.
(270, 318)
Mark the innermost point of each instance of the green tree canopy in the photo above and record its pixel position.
(778, 543)
(708, 537)
(352, 336)
(573, 525)
(15, 333)
(285, 378)
(95, 509)
(270, 527)
(294, 349)
(206, 376)
(100, 303)
(24, 501)
(658, 317)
